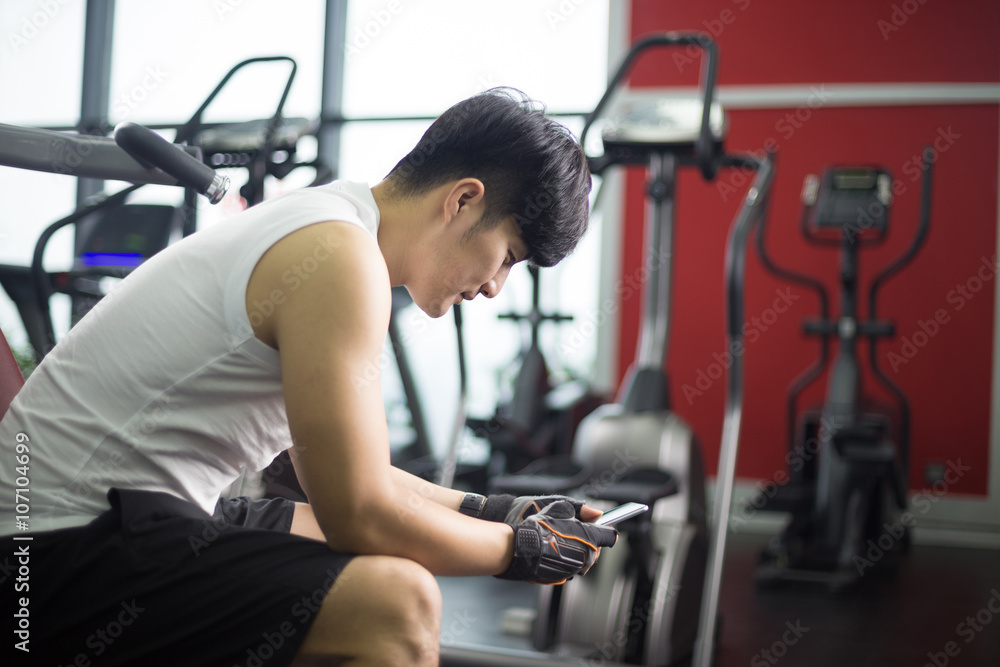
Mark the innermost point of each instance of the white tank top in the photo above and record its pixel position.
(163, 386)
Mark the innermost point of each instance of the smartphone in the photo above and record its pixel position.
(620, 513)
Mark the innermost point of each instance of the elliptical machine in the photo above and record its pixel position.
(849, 459)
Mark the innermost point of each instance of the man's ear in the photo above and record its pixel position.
(466, 194)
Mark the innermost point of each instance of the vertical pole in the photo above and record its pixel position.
(96, 90)
(332, 102)
(95, 97)
(654, 337)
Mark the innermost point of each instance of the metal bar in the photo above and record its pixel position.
(654, 335)
(79, 155)
(96, 87)
(449, 466)
(420, 447)
(736, 253)
(332, 101)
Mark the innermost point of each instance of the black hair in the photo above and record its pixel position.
(531, 167)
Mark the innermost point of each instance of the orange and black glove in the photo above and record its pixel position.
(552, 545)
(513, 510)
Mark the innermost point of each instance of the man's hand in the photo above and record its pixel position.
(513, 510)
(551, 545)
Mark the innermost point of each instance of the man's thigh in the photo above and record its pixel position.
(155, 581)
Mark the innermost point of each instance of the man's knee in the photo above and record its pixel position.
(380, 604)
(409, 589)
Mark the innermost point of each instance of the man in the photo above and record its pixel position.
(261, 334)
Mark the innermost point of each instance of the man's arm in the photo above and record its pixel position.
(329, 332)
(418, 490)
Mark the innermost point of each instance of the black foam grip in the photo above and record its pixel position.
(150, 148)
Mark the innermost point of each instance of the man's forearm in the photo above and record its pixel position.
(442, 540)
(419, 491)
(484, 547)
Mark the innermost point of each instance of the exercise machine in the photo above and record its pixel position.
(848, 459)
(113, 236)
(537, 418)
(135, 155)
(653, 599)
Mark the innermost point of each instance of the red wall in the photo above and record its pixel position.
(947, 378)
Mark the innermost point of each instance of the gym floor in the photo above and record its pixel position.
(941, 607)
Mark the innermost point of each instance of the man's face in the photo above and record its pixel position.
(463, 265)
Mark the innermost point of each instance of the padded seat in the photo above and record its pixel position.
(550, 475)
(641, 485)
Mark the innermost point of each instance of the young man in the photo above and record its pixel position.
(261, 334)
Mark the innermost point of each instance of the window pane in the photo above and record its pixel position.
(405, 62)
(162, 75)
(416, 59)
(41, 62)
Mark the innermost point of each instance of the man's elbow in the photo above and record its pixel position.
(361, 524)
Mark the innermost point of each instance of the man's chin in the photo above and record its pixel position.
(436, 309)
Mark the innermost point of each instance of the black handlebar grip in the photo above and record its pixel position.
(820, 327)
(150, 148)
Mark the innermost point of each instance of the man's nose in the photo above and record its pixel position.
(493, 286)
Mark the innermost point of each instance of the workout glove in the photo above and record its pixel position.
(552, 545)
(508, 509)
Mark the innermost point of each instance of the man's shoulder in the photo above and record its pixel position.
(336, 249)
(321, 271)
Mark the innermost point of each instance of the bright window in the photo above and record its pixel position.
(410, 60)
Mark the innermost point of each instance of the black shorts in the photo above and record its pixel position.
(156, 581)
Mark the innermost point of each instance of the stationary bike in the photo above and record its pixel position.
(848, 459)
